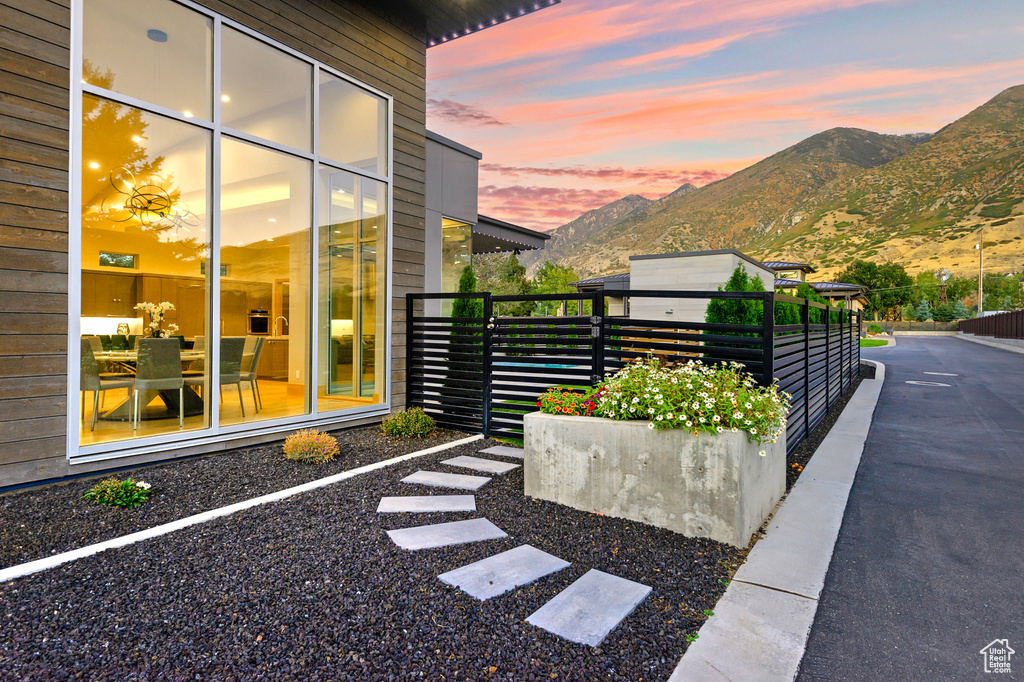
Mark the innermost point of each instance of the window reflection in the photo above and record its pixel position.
(456, 254)
(145, 189)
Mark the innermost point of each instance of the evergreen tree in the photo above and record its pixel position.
(943, 312)
(467, 307)
(726, 311)
(924, 312)
(960, 311)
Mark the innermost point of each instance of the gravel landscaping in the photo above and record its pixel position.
(312, 588)
(36, 522)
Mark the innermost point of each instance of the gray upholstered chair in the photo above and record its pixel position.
(159, 369)
(90, 380)
(231, 349)
(250, 367)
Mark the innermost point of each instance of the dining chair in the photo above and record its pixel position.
(250, 368)
(90, 380)
(231, 349)
(159, 369)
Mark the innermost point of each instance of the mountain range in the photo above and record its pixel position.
(917, 199)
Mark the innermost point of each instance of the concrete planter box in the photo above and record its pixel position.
(716, 487)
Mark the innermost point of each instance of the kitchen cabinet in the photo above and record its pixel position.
(274, 360)
(107, 294)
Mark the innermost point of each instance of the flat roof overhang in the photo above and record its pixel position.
(491, 235)
(446, 20)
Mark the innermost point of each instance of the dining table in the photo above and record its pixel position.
(193, 402)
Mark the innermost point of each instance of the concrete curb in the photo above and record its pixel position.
(64, 557)
(761, 624)
(1002, 344)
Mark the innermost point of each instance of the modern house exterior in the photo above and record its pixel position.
(455, 230)
(706, 271)
(259, 165)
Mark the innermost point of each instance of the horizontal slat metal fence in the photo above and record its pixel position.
(485, 374)
(1001, 325)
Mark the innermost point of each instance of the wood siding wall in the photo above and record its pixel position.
(384, 51)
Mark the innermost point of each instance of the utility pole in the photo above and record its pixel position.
(980, 246)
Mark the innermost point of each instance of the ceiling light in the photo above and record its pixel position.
(93, 164)
(188, 114)
(271, 220)
(156, 35)
(270, 239)
(136, 138)
(225, 98)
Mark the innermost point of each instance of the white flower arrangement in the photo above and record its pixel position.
(666, 396)
(156, 312)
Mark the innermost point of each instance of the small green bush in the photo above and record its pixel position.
(310, 447)
(117, 493)
(874, 329)
(411, 423)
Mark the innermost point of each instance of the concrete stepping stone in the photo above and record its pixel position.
(500, 573)
(427, 503)
(590, 608)
(479, 464)
(439, 479)
(504, 451)
(445, 534)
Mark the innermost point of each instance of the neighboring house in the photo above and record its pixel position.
(689, 271)
(706, 271)
(260, 165)
(455, 231)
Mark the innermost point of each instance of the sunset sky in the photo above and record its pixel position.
(587, 101)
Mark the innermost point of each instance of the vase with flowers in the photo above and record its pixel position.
(156, 311)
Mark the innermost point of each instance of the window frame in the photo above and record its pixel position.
(216, 433)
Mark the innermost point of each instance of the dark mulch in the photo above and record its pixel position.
(312, 588)
(802, 454)
(37, 522)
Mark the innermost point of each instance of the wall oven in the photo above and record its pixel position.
(259, 322)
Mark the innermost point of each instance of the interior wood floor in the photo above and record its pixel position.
(277, 398)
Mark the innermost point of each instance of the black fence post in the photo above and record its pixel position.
(488, 329)
(842, 352)
(597, 337)
(768, 339)
(828, 359)
(805, 320)
(409, 303)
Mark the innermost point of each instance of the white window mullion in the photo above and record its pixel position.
(212, 396)
(313, 361)
(75, 237)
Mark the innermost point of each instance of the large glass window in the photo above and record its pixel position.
(352, 246)
(456, 254)
(266, 92)
(145, 190)
(152, 50)
(155, 218)
(265, 220)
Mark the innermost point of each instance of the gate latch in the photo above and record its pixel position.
(491, 323)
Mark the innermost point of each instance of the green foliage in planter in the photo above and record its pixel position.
(310, 447)
(695, 397)
(117, 493)
(411, 423)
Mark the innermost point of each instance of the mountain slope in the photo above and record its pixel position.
(736, 210)
(582, 228)
(923, 209)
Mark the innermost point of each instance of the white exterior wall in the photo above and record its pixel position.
(684, 273)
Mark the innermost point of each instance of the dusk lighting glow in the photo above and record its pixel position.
(587, 101)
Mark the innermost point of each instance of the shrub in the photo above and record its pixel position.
(116, 493)
(874, 329)
(310, 447)
(695, 397)
(566, 401)
(411, 423)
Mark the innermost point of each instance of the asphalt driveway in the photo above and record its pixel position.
(929, 565)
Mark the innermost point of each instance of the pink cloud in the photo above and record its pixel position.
(616, 174)
(465, 114)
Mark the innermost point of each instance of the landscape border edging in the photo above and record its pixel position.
(29, 567)
(761, 624)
